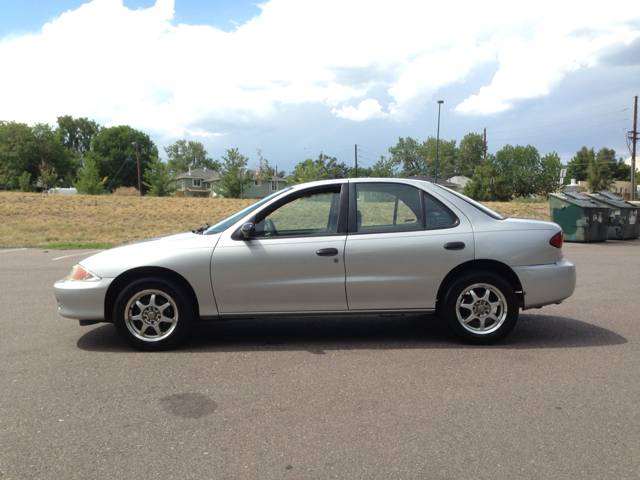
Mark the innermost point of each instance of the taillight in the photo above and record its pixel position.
(556, 240)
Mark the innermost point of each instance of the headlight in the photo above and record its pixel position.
(79, 273)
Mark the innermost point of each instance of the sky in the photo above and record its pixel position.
(294, 78)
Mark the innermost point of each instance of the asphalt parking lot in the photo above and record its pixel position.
(368, 397)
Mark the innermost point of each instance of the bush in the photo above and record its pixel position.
(25, 182)
(126, 192)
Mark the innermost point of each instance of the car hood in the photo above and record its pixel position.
(159, 252)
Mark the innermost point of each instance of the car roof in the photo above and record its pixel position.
(319, 183)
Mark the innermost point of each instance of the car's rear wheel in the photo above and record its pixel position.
(153, 315)
(481, 308)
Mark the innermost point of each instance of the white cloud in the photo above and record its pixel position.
(116, 65)
(532, 68)
(366, 110)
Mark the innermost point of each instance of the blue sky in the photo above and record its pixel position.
(297, 77)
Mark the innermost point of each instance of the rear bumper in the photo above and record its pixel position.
(547, 284)
(81, 300)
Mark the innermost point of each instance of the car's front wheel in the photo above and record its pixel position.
(153, 315)
(481, 308)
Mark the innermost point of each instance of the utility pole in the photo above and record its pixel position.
(633, 136)
(139, 177)
(440, 102)
(356, 160)
(484, 147)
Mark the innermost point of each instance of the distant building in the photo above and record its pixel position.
(628, 162)
(459, 180)
(196, 183)
(619, 187)
(256, 190)
(444, 183)
(70, 190)
(575, 187)
(200, 182)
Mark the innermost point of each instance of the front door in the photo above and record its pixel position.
(295, 263)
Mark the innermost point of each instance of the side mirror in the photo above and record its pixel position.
(248, 231)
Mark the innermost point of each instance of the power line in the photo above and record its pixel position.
(568, 131)
(563, 123)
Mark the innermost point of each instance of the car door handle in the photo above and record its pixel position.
(327, 252)
(454, 246)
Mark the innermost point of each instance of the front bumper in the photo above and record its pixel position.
(547, 284)
(81, 300)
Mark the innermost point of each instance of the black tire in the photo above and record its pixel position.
(152, 314)
(481, 308)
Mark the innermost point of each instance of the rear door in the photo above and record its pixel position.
(402, 242)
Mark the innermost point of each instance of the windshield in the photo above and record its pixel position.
(227, 222)
(486, 210)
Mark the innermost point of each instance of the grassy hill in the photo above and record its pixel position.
(67, 221)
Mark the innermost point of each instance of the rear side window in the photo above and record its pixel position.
(387, 208)
(437, 215)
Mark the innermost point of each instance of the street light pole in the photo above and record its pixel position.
(440, 102)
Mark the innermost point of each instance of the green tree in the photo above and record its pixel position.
(411, 156)
(420, 158)
(599, 177)
(89, 182)
(25, 182)
(184, 154)
(159, 179)
(384, 168)
(487, 184)
(470, 154)
(50, 149)
(578, 166)
(323, 168)
(620, 170)
(264, 172)
(77, 133)
(303, 172)
(116, 158)
(548, 180)
(520, 167)
(329, 168)
(234, 178)
(48, 175)
(18, 153)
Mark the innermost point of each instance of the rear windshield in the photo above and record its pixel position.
(479, 206)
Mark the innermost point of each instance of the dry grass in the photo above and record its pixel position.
(126, 192)
(539, 210)
(37, 220)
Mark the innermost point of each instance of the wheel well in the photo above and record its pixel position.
(474, 265)
(129, 276)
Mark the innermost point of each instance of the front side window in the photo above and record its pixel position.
(274, 186)
(311, 214)
(227, 222)
(196, 182)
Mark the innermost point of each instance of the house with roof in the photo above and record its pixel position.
(459, 180)
(258, 190)
(200, 182)
(197, 182)
(441, 181)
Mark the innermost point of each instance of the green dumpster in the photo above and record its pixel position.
(623, 216)
(579, 217)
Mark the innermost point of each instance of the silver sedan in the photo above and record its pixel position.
(339, 247)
